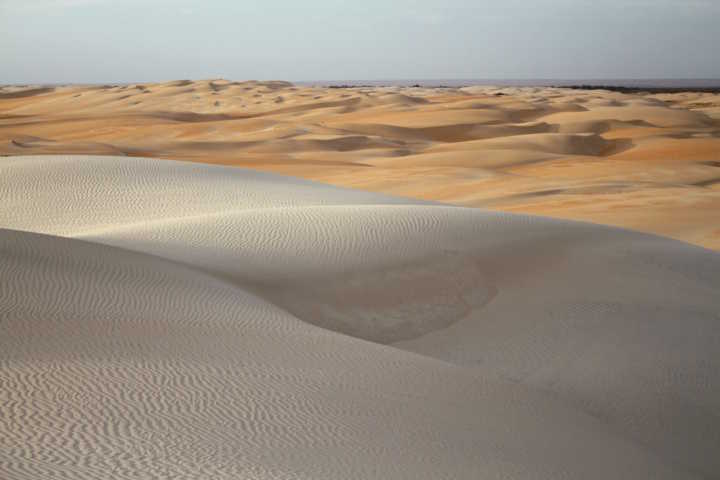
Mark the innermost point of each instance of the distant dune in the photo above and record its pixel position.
(643, 160)
(163, 319)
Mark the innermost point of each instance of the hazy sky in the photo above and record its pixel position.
(145, 40)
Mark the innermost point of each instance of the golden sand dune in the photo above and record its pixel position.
(644, 161)
(163, 319)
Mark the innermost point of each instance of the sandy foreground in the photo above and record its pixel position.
(165, 319)
(646, 162)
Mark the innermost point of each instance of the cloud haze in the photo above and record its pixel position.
(133, 40)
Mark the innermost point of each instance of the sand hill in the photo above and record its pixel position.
(163, 319)
(648, 162)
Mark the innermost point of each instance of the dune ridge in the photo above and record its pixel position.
(638, 160)
(166, 319)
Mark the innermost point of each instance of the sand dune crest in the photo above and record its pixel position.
(633, 160)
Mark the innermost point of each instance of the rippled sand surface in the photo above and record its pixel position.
(165, 319)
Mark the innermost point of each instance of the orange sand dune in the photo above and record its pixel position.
(641, 161)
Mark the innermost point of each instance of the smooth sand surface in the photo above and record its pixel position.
(163, 319)
(648, 162)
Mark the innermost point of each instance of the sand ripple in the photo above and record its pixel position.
(160, 319)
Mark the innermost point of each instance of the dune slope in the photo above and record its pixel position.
(178, 320)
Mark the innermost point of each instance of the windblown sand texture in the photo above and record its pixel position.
(163, 319)
(640, 161)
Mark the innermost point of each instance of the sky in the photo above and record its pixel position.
(103, 41)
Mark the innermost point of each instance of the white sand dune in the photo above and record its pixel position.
(163, 319)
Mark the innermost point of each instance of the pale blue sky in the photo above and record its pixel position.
(145, 40)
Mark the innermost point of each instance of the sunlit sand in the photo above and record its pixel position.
(648, 162)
